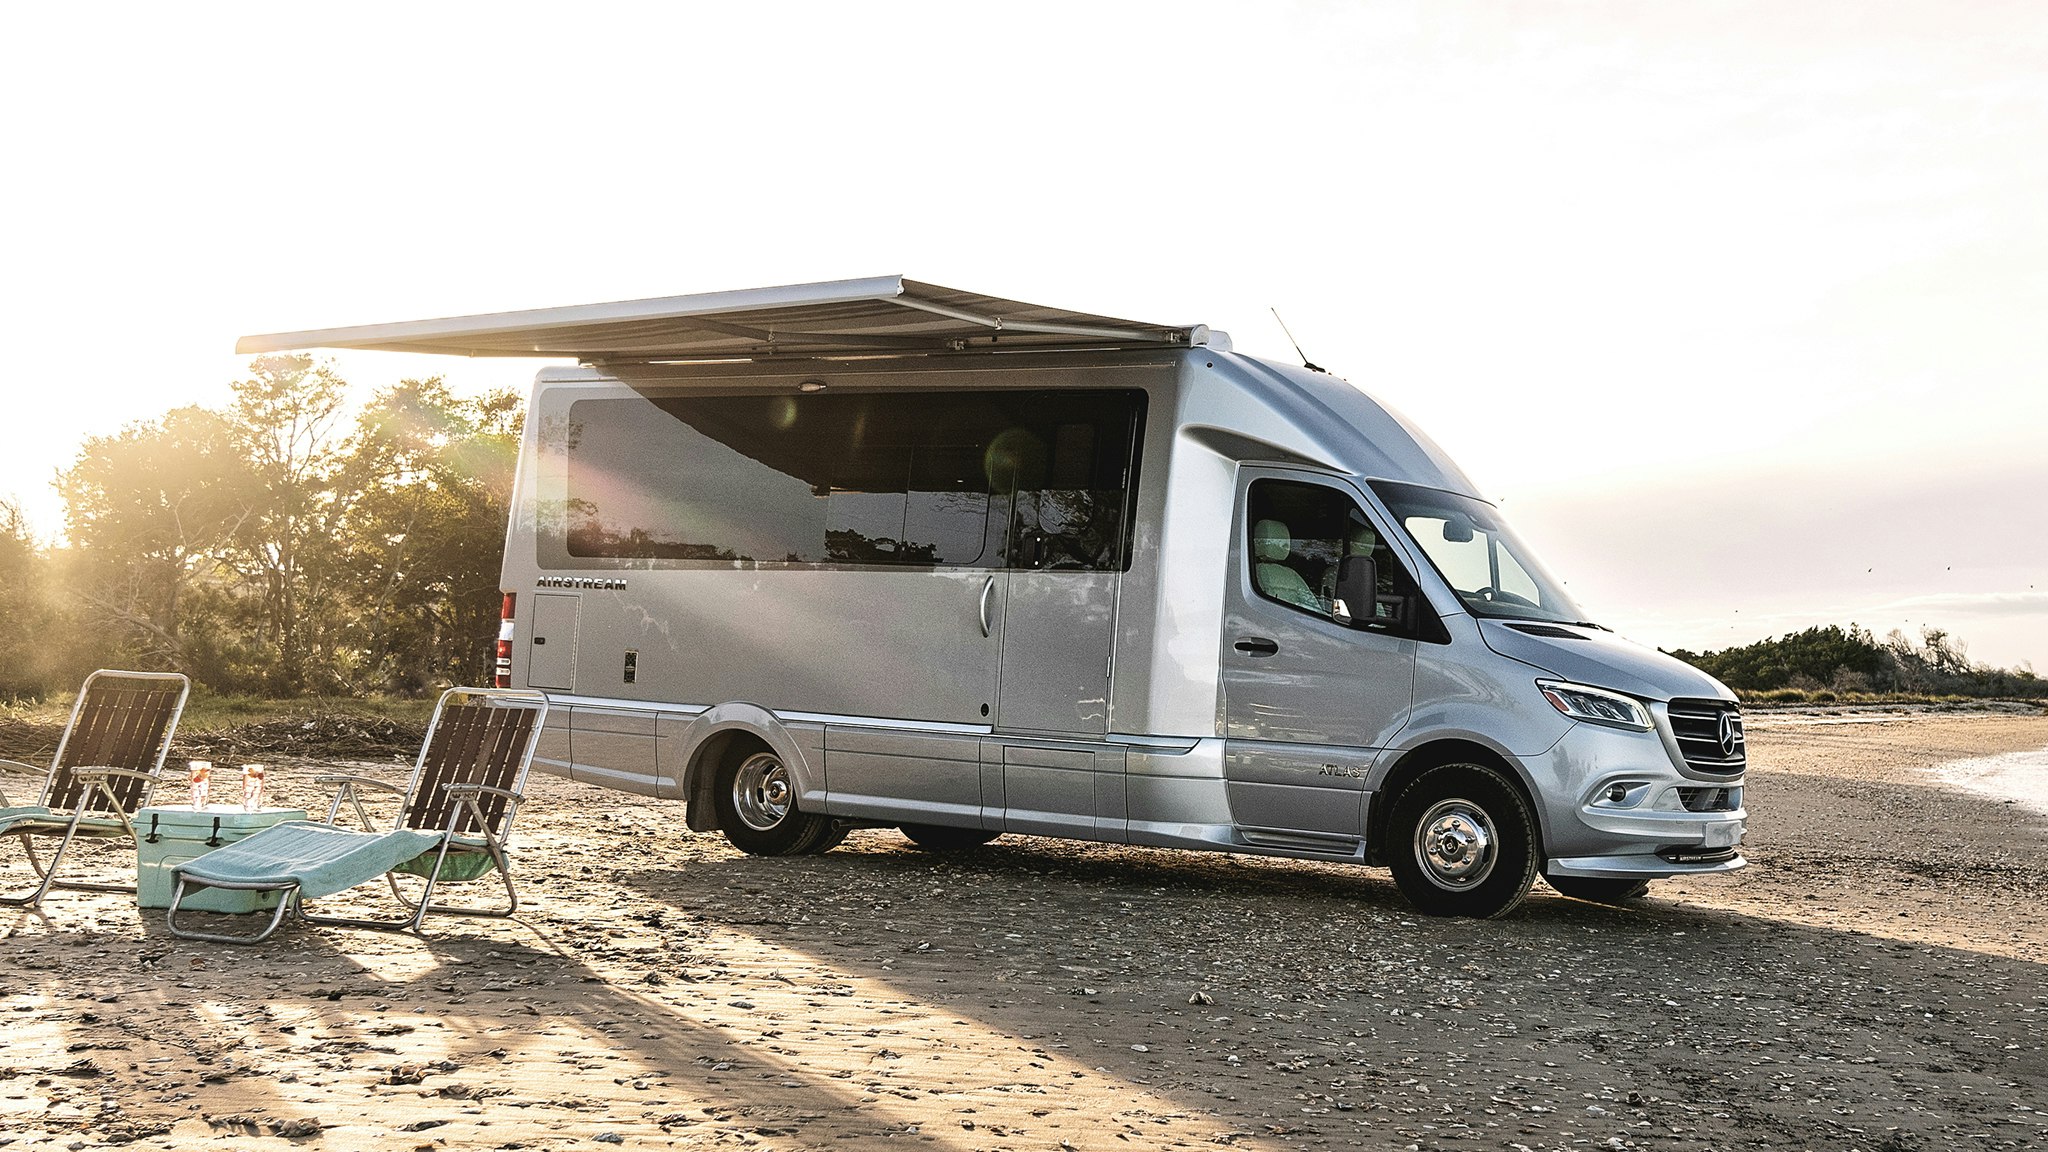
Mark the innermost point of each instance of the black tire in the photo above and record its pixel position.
(1598, 889)
(758, 813)
(940, 838)
(1462, 842)
(833, 834)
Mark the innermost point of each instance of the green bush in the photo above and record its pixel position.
(1848, 665)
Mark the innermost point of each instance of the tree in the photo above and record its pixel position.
(26, 615)
(204, 540)
(1852, 660)
(283, 420)
(149, 512)
(429, 473)
(268, 547)
(1817, 655)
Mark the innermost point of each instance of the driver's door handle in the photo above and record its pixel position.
(988, 592)
(1256, 646)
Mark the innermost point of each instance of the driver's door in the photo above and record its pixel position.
(1308, 701)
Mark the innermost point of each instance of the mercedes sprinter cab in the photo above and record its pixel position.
(877, 553)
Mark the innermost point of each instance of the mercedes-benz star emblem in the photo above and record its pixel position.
(1730, 734)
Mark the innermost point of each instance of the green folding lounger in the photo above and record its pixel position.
(453, 824)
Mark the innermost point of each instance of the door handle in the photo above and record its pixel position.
(1256, 646)
(988, 592)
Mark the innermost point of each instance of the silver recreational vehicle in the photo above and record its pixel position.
(881, 553)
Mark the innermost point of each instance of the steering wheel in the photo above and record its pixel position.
(1493, 595)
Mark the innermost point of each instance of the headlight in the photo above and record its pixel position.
(1595, 705)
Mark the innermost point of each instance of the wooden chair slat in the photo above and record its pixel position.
(502, 751)
(123, 723)
(122, 720)
(460, 750)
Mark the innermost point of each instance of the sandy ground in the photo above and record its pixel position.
(1874, 981)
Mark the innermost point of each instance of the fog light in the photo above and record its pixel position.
(1621, 794)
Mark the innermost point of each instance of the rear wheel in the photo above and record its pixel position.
(1464, 842)
(939, 838)
(1598, 889)
(758, 812)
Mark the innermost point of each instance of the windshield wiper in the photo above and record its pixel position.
(1543, 620)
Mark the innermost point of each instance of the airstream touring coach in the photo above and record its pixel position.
(880, 553)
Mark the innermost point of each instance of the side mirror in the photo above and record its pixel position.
(1358, 582)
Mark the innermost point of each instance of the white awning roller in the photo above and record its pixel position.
(879, 314)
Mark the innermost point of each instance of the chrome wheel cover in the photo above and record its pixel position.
(761, 792)
(1456, 845)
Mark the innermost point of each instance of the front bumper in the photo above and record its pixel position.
(1635, 865)
(1616, 805)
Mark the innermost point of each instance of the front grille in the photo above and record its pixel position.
(1708, 799)
(1701, 726)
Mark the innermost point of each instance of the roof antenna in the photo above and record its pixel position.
(1297, 346)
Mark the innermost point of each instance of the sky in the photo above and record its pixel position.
(1738, 309)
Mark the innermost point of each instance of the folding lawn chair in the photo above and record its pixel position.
(452, 825)
(104, 770)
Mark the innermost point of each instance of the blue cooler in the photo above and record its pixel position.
(168, 836)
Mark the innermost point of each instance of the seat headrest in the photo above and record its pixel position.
(1271, 541)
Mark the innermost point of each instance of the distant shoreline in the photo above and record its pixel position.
(2015, 777)
(1767, 713)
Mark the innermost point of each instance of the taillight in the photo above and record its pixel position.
(502, 672)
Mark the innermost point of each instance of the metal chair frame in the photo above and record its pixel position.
(470, 817)
(120, 754)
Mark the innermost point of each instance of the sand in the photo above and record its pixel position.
(1873, 981)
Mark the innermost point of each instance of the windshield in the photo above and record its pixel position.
(1478, 555)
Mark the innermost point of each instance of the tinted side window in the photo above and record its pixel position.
(975, 479)
(1073, 475)
(1297, 534)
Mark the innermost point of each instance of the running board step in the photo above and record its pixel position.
(1320, 843)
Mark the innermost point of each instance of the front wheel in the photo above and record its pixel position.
(757, 810)
(1464, 842)
(1599, 889)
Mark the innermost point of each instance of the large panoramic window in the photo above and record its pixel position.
(988, 479)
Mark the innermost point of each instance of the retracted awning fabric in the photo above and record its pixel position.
(878, 314)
